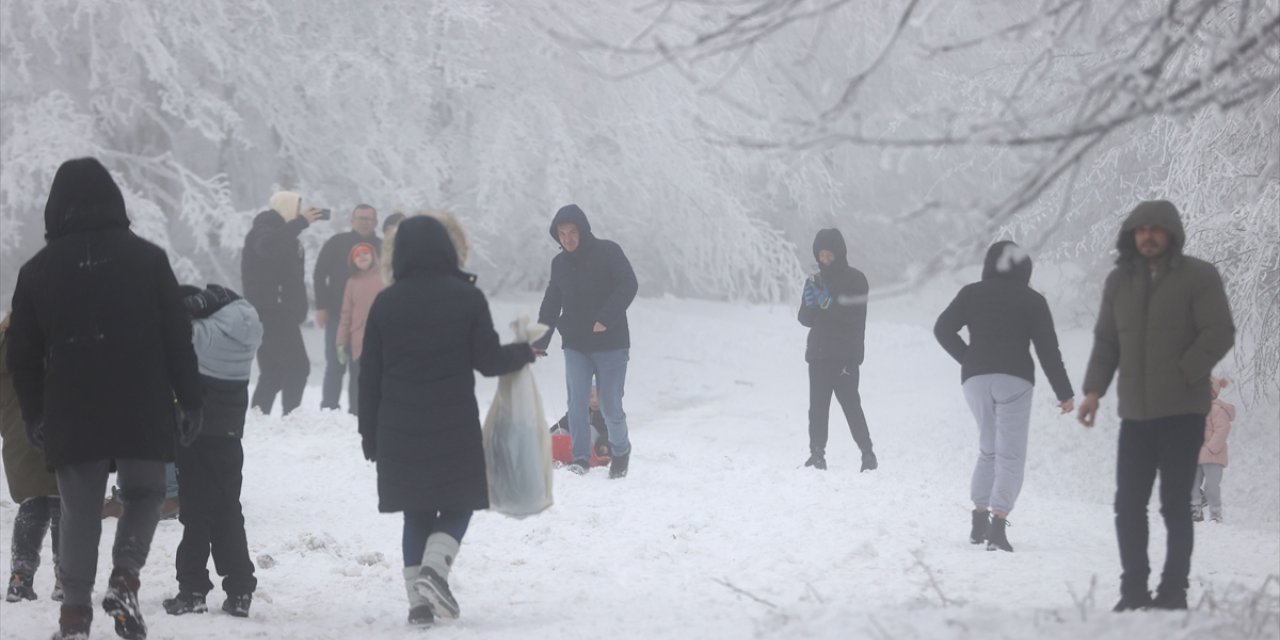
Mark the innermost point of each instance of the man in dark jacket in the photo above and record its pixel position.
(592, 284)
(1164, 323)
(834, 307)
(1005, 316)
(332, 270)
(271, 268)
(100, 345)
(427, 335)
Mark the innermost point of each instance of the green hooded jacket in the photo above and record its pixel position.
(1164, 331)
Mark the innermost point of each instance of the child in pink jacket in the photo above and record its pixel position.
(1213, 456)
(364, 285)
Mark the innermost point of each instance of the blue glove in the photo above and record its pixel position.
(810, 293)
(824, 298)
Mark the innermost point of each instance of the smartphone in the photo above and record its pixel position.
(324, 215)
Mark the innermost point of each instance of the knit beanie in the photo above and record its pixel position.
(286, 203)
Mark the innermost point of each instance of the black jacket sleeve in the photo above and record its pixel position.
(26, 350)
(180, 354)
(1045, 340)
(947, 328)
(278, 238)
(549, 312)
(625, 286)
(488, 356)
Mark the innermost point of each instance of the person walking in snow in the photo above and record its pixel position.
(31, 486)
(1005, 317)
(1207, 490)
(592, 284)
(99, 347)
(426, 335)
(834, 308)
(333, 268)
(226, 335)
(1164, 323)
(362, 287)
(271, 268)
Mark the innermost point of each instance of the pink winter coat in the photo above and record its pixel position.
(362, 288)
(1216, 427)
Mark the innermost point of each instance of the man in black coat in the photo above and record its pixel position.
(332, 270)
(834, 307)
(100, 346)
(272, 271)
(427, 334)
(592, 284)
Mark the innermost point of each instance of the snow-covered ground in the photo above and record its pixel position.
(719, 532)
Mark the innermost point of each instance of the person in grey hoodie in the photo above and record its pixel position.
(226, 332)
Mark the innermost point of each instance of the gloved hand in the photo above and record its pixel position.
(824, 298)
(370, 447)
(810, 293)
(207, 301)
(35, 434)
(342, 355)
(189, 426)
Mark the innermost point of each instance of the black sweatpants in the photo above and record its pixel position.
(209, 482)
(1171, 447)
(283, 365)
(35, 517)
(832, 376)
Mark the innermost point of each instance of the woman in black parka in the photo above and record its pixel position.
(419, 422)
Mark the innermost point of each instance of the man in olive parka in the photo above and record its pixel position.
(1164, 323)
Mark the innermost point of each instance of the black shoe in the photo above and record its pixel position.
(1133, 602)
(435, 589)
(421, 616)
(996, 538)
(579, 467)
(981, 524)
(817, 461)
(185, 602)
(1170, 599)
(74, 622)
(618, 466)
(21, 587)
(869, 462)
(121, 603)
(238, 605)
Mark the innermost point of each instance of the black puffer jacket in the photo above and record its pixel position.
(594, 283)
(837, 332)
(272, 268)
(1005, 317)
(100, 343)
(427, 333)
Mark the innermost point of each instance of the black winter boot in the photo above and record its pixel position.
(981, 523)
(121, 603)
(1133, 602)
(74, 622)
(185, 602)
(238, 604)
(996, 538)
(21, 587)
(1171, 599)
(618, 466)
(869, 462)
(817, 460)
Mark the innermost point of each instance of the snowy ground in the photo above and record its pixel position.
(718, 532)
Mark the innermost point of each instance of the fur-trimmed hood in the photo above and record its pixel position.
(458, 235)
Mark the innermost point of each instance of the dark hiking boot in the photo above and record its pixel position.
(996, 538)
(1170, 599)
(74, 622)
(435, 589)
(112, 507)
(21, 587)
(1133, 602)
(817, 461)
(57, 595)
(579, 467)
(185, 602)
(421, 616)
(121, 603)
(869, 462)
(618, 466)
(169, 509)
(981, 523)
(238, 605)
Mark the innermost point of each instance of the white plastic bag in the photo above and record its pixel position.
(517, 445)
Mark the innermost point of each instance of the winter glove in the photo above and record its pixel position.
(342, 355)
(208, 301)
(824, 298)
(189, 426)
(35, 434)
(810, 293)
(370, 447)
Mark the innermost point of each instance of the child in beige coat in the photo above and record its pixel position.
(1213, 456)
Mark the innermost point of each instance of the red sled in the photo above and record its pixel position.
(562, 450)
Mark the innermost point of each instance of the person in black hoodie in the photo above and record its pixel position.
(271, 268)
(100, 346)
(332, 270)
(1005, 316)
(592, 284)
(834, 307)
(426, 336)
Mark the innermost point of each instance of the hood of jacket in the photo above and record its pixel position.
(1006, 260)
(239, 322)
(83, 196)
(831, 240)
(572, 214)
(423, 247)
(1158, 213)
(285, 203)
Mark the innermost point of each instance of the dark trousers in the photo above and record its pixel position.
(832, 376)
(331, 391)
(209, 482)
(419, 525)
(353, 388)
(1168, 446)
(282, 366)
(35, 517)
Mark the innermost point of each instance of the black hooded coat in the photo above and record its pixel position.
(837, 332)
(427, 333)
(100, 343)
(594, 283)
(1005, 317)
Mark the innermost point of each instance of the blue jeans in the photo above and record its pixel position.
(331, 391)
(610, 371)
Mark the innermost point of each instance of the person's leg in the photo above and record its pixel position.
(611, 380)
(270, 367)
(1136, 465)
(298, 367)
(353, 389)
(437, 561)
(578, 371)
(1179, 442)
(1012, 397)
(977, 393)
(197, 516)
(1213, 488)
(331, 391)
(846, 391)
(142, 491)
(1197, 494)
(822, 383)
(29, 528)
(80, 487)
(230, 544)
(413, 539)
